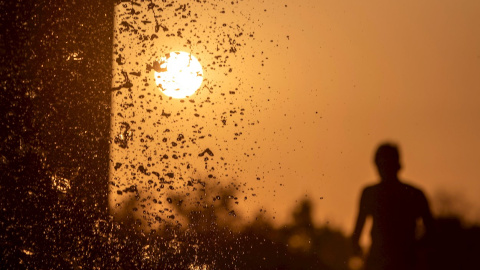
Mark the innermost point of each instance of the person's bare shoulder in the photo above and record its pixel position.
(371, 188)
(409, 186)
(413, 190)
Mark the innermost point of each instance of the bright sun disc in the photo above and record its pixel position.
(178, 74)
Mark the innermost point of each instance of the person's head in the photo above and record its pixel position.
(387, 159)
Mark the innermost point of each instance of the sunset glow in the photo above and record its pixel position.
(178, 74)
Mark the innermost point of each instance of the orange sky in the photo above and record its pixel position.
(338, 78)
(404, 71)
(374, 71)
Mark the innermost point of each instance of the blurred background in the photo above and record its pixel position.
(323, 82)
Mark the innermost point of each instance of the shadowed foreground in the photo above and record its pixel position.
(43, 234)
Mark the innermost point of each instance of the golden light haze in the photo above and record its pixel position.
(358, 73)
(339, 77)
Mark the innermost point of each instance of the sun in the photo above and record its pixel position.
(178, 74)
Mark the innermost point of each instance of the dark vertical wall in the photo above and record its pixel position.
(55, 70)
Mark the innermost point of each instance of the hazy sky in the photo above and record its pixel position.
(358, 73)
(338, 78)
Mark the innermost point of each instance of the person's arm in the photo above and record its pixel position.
(427, 219)
(362, 216)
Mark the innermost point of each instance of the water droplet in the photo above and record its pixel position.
(63, 177)
(125, 134)
(197, 267)
(61, 184)
(206, 151)
(27, 251)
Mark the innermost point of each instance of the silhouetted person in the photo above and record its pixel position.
(395, 208)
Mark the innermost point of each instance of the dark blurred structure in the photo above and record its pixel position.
(395, 208)
(55, 67)
(455, 246)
